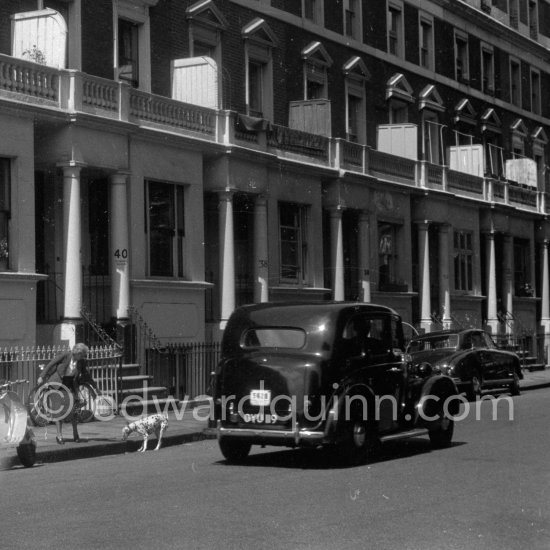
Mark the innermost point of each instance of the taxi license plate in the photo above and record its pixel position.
(260, 398)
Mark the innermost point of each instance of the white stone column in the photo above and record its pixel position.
(227, 257)
(545, 300)
(492, 319)
(508, 283)
(337, 253)
(72, 243)
(424, 265)
(120, 248)
(444, 280)
(364, 257)
(261, 254)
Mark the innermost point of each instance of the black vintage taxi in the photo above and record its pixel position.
(324, 374)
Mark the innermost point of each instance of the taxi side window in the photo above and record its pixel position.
(352, 338)
(376, 332)
(366, 336)
(477, 340)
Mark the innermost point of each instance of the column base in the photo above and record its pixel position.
(493, 326)
(426, 325)
(69, 332)
(123, 331)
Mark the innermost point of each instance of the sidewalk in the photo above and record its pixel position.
(101, 438)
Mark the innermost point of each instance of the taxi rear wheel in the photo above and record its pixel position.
(360, 441)
(234, 451)
(442, 436)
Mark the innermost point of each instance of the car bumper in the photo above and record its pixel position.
(293, 438)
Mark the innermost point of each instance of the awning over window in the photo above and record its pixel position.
(40, 36)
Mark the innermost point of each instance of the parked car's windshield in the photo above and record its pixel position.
(437, 342)
(274, 337)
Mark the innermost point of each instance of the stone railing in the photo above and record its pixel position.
(29, 79)
(383, 164)
(459, 182)
(169, 112)
(100, 94)
(31, 83)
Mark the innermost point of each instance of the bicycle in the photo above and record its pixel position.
(48, 402)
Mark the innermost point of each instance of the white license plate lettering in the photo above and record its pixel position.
(259, 418)
(260, 398)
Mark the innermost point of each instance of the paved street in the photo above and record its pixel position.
(489, 490)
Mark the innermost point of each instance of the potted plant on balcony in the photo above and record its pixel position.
(4, 254)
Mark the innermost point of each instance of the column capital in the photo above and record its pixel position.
(336, 211)
(225, 195)
(120, 176)
(364, 217)
(445, 227)
(423, 224)
(260, 200)
(71, 167)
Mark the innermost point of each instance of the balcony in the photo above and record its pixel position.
(31, 85)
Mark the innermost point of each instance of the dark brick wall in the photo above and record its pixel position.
(97, 38)
(7, 9)
(374, 24)
(169, 40)
(410, 17)
(474, 61)
(444, 48)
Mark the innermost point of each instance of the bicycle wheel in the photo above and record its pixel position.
(38, 406)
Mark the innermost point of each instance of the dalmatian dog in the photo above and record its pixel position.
(154, 424)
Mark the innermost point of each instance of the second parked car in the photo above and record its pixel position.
(470, 357)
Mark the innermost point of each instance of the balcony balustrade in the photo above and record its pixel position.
(29, 83)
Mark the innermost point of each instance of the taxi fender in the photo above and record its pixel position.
(353, 400)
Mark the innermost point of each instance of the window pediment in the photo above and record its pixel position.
(206, 13)
(258, 31)
(355, 67)
(430, 99)
(539, 135)
(518, 127)
(316, 53)
(464, 112)
(491, 121)
(398, 87)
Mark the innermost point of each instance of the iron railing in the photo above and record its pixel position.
(185, 369)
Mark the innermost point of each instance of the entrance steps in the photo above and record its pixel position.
(139, 397)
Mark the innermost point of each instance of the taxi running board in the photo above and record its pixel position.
(404, 435)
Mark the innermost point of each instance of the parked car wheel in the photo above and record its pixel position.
(514, 386)
(442, 436)
(27, 451)
(234, 451)
(474, 390)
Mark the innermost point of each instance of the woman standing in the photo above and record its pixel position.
(70, 367)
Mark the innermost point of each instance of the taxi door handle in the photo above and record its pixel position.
(396, 369)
